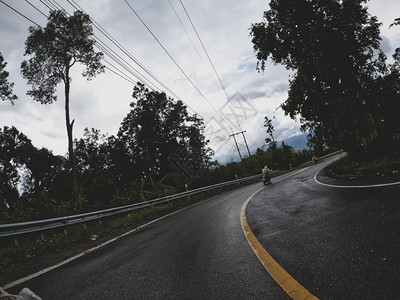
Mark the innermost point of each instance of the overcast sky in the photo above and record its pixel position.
(102, 103)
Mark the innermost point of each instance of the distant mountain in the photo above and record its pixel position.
(298, 142)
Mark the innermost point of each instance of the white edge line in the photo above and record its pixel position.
(353, 186)
(48, 269)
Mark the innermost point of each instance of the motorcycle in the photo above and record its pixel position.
(266, 179)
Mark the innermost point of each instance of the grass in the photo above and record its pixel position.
(33, 244)
(347, 169)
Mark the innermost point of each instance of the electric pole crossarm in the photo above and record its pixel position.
(237, 147)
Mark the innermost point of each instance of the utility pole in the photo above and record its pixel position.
(237, 147)
(248, 151)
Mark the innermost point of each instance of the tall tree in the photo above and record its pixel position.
(160, 135)
(6, 92)
(54, 50)
(332, 48)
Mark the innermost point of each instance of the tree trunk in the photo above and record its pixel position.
(70, 125)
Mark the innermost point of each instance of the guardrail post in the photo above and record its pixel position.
(66, 224)
(16, 242)
(187, 189)
(43, 236)
(237, 179)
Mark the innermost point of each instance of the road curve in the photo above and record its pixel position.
(338, 243)
(199, 253)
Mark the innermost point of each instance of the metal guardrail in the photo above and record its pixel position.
(325, 156)
(331, 154)
(14, 229)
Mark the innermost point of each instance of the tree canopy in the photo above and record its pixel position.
(338, 86)
(161, 135)
(54, 49)
(6, 92)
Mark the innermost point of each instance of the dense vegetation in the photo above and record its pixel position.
(121, 169)
(159, 149)
(343, 89)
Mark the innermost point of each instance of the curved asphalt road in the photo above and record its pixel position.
(199, 253)
(339, 244)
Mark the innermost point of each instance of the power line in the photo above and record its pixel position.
(184, 28)
(36, 8)
(122, 76)
(135, 60)
(191, 41)
(175, 62)
(104, 48)
(109, 52)
(21, 14)
(49, 5)
(209, 59)
(119, 46)
(56, 5)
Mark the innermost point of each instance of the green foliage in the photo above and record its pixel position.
(161, 137)
(6, 92)
(158, 149)
(342, 89)
(35, 184)
(388, 167)
(54, 49)
(14, 154)
(30, 179)
(270, 130)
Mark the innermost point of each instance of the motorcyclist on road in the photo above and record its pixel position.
(266, 174)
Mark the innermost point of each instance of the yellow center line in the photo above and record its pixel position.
(294, 289)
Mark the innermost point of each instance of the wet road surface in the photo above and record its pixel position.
(339, 244)
(199, 253)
